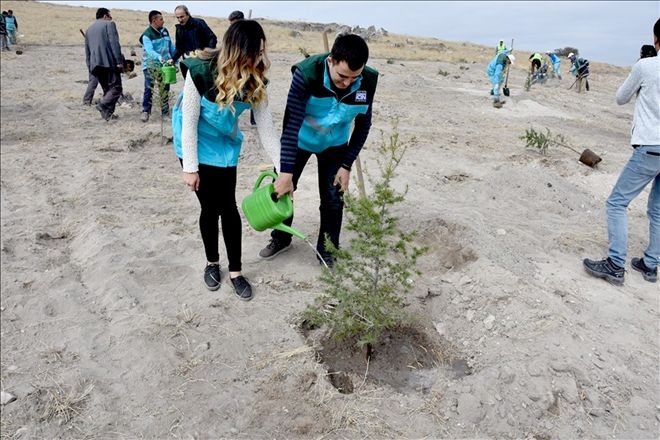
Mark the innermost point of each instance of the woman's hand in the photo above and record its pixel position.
(191, 180)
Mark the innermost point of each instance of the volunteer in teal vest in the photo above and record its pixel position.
(158, 50)
(220, 85)
(328, 93)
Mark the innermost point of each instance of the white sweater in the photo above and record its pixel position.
(190, 108)
(645, 79)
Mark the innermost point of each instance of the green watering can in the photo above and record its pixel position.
(169, 74)
(263, 210)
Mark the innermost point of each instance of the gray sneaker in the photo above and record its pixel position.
(144, 117)
(274, 248)
(649, 274)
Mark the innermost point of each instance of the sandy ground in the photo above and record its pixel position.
(109, 332)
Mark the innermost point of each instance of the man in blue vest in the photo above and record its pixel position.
(158, 50)
(328, 93)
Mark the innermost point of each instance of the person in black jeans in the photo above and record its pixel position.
(328, 92)
(208, 140)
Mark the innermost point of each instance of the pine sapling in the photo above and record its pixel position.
(364, 292)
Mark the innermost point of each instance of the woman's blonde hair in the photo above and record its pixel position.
(239, 75)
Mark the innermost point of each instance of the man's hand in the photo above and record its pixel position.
(284, 185)
(342, 179)
(191, 180)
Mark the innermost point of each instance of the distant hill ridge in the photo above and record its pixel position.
(65, 22)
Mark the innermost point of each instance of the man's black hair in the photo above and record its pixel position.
(152, 14)
(236, 15)
(102, 12)
(656, 29)
(647, 51)
(352, 49)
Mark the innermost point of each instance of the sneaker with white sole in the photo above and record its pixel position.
(144, 117)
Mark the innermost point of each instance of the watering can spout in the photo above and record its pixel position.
(288, 229)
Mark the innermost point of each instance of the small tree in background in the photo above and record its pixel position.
(364, 293)
(565, 51)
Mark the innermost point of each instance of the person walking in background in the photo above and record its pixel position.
(104, 60)
(4, 42)
(328, 93)
(12, 26)
(191, 34)
(158, 50)
(555, 62)
(220, 85)
(642, 168)
(495, 71)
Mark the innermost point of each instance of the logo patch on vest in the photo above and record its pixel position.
(361, 96)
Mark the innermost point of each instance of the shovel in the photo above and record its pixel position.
(505, 90)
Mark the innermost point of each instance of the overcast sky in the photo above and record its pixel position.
(610, 32)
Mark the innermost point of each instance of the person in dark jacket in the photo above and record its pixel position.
(191, 34)
(105, 60)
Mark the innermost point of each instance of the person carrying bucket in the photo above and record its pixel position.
(220, 85)
(158, 50)
(328, 93)
(495, 71)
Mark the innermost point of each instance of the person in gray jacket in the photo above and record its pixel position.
(104, 60)
(642, 168)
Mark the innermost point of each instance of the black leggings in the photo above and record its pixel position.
(217, 197)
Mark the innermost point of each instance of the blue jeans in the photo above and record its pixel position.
(642, 168)
(332, 203)
(148, 93)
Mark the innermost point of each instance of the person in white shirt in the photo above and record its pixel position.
(642, 168)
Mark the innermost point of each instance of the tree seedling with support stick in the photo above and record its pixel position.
(542, 141)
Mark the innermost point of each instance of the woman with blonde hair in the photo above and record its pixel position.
(220, 84)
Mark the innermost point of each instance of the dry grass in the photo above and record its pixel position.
(131, 24)
(65, 405)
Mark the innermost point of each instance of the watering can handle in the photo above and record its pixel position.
(262, 177)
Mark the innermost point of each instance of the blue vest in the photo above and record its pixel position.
(219, 138)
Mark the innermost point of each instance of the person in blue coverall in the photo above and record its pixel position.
(495, 71)
(158, 50)
(555, 62)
